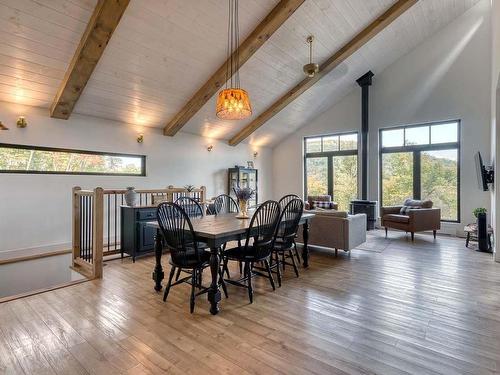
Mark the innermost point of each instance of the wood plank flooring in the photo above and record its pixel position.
(422, 308)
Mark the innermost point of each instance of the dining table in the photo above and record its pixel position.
(215, 231)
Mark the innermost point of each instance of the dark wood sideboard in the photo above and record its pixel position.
(136, 237)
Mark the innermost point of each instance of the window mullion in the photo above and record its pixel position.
(330, 176)
(417, 176)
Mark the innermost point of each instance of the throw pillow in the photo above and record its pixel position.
(405, 209)
(322, 204)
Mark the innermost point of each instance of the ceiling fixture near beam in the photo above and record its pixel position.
(312, 68)
(233, 103)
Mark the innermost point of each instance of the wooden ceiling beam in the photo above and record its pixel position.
(102, 24)
(280, 13)
(397, 9)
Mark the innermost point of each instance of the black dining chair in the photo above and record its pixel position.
(225, 204)
(185, 253)
(284, 243)
(258, 246)
(193, 210)
(283, 202)
(191, 206)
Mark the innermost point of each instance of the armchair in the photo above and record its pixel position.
(418, 216)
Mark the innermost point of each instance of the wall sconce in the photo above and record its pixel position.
(210, 148)
(140, 138)
(21, 122)
(3, 127)
(255, 154)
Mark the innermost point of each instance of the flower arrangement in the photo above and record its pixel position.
(189, 188)
(243, 194)
(479, 210)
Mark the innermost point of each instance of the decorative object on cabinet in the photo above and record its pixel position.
(250, 164)
(131, 197)
(3, 127)
(241, 177)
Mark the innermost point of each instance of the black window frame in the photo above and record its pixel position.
(68, 150)
(329, 155)
(416, 150)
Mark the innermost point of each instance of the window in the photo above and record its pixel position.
(33, 159)
(331, 167)
(422, 162)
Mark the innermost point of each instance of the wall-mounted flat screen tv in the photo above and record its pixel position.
(484, 175)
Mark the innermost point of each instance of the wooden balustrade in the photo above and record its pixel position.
(96, 221)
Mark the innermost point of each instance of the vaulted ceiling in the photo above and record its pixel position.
(163, 50)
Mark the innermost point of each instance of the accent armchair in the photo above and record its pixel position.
(413, 216)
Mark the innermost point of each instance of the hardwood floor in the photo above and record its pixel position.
(422, 308)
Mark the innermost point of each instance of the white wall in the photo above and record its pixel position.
(35, 209)
(495, 114)
(446, 77)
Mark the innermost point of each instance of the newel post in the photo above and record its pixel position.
(203, 194)
(76, 225)
(170, 194)
(98, 232)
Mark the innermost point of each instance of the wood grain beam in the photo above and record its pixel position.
(102, 24)
(326, 67)
(280, 13)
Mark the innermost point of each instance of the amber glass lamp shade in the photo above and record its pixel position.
(233, 104)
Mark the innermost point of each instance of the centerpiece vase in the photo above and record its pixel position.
(243, 214)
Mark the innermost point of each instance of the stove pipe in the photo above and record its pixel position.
(364, 82)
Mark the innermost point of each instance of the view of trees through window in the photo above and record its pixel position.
(27, 159)
(421, 162)
(331, 167)
(397, 177)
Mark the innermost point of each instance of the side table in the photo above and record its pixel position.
(471, 230)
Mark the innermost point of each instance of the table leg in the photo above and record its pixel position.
(214, 295)
(305, 249)
(467, 239)
(158, 271)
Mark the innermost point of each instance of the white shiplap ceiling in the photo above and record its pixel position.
(164, 50)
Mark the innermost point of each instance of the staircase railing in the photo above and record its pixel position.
(96, 227)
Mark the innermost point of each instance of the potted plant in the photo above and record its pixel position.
(479, 211)
(243, 195)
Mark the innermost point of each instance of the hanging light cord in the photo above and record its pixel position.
(233, 42)
(310, 51)
(310, 40)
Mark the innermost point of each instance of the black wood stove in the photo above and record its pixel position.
(365, 206)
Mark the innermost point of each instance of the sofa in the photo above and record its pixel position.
(412, 216)
(308, 205)
(336, 229)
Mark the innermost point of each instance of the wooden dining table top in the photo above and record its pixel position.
(214, 226)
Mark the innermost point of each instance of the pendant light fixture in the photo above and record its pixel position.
(312, 68)
(233, 102)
